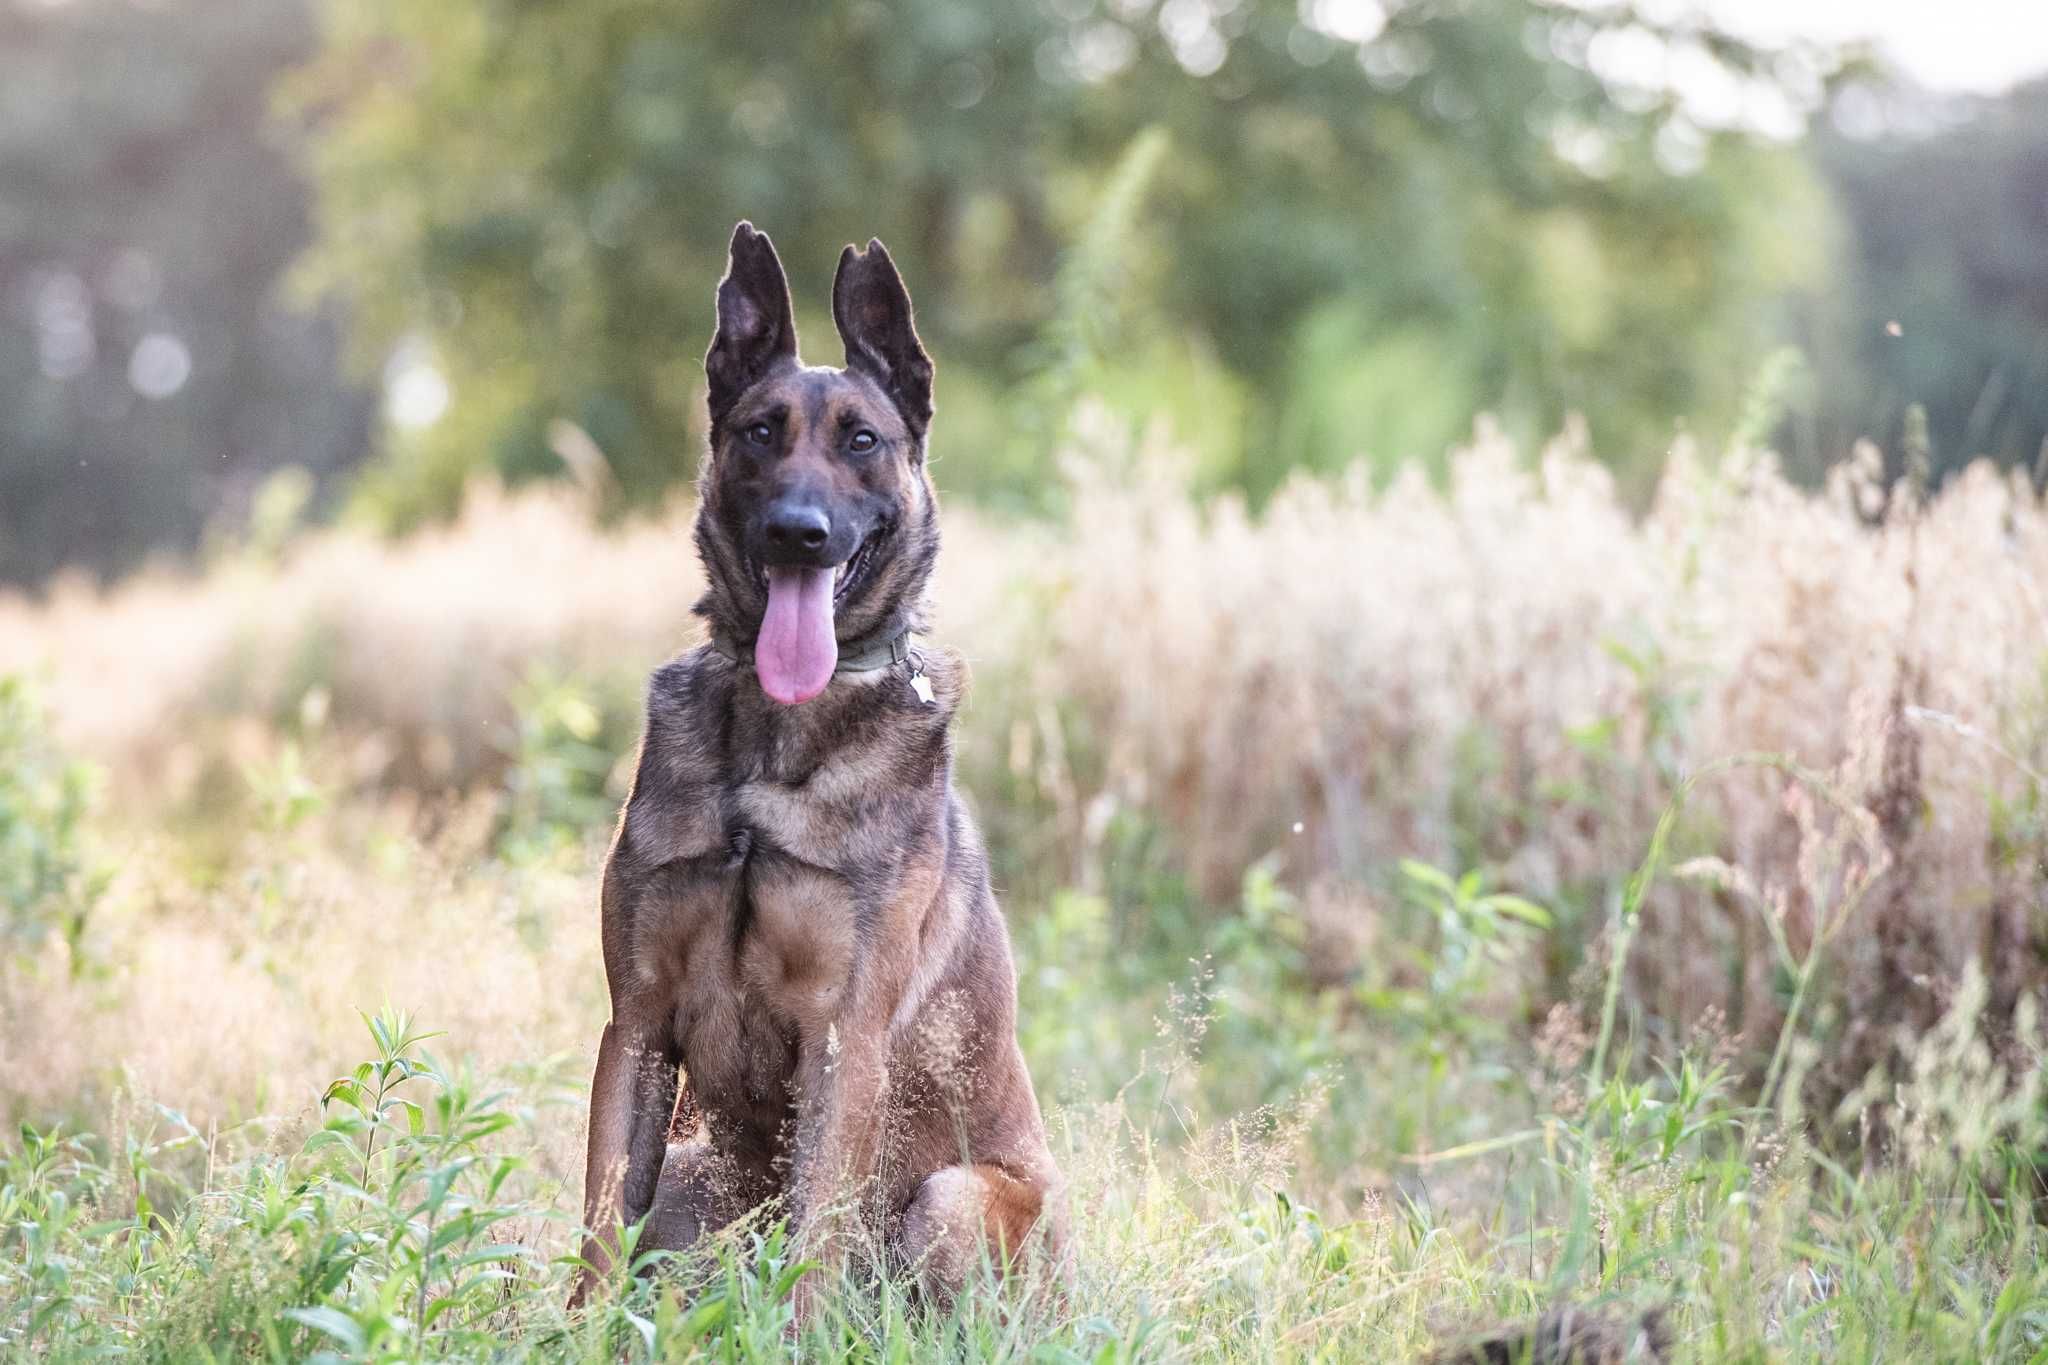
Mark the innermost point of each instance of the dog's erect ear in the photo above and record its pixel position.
(872, 309)
(755, 325)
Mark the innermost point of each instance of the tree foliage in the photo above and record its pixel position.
(1947, 304)
(1295, 232)
(1368, 223)
(150, 375)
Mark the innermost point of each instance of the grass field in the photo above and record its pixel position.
(1500, 903)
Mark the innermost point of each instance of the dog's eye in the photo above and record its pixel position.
(760, 433)
(863, 441)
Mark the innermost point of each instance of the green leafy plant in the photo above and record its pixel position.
(1471, 937)
(561, 755)
(285, 791)
(48, 884)
(428, 1194)
(45, 1187)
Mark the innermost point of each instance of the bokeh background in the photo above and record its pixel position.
(1501, 547)
(390, 245)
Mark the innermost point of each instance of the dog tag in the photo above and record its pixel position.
(921, 685)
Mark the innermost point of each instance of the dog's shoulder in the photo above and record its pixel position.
(685, 697)
(673, 811)
(678, 690)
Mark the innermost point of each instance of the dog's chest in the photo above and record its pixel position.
(776, 847)
(756, 939)
(796, 937)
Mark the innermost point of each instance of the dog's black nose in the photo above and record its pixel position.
(796, 530)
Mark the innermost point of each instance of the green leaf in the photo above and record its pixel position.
(496, 1251)
(1515, 907)
(1424, 875)
(97, 1231)
(344, 1091)
(331, 1322)
(1595, 738)
(786, 1281)
(706, 1318)
(642, 1326)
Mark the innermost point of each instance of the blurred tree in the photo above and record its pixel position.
(149, 375)
(1947, 304)
(1370, 221)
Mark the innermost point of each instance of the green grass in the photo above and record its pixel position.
(1248, 1185)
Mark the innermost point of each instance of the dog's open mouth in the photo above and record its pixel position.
(798, 647)
(854, 571)
(847, 575)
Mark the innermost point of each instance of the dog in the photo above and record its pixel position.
(812, 993)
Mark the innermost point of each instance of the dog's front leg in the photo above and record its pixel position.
(632, 1098)
(842, 1088)
(842, 1079)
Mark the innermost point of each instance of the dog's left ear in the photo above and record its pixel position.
(872, 309)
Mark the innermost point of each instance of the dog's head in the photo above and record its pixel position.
(816, 519)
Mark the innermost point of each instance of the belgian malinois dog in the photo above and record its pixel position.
(811, 987)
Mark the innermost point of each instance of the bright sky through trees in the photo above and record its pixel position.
(1986, 46)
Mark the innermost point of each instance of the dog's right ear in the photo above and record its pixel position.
(756, 326)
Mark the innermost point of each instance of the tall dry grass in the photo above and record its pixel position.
(1513, 672)
(415, 647)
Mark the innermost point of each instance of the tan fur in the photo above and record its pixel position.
(958, 1214)
(812, 991)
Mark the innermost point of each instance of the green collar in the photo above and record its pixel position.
(856, 656)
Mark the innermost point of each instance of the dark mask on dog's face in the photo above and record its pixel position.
(817, 522)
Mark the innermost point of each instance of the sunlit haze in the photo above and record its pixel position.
(1984, 46)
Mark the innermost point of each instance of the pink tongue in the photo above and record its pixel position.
(796, 652)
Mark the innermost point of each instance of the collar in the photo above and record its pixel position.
(871, 651)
